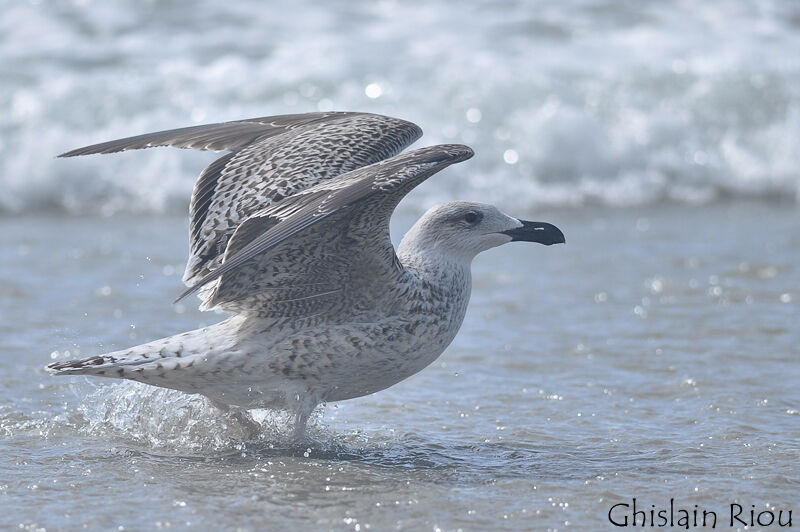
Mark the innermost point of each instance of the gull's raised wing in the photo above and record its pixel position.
(326, 248)
(271, 158)
(212, 137)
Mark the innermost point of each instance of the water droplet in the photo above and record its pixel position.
(656, 285)
(474, 115)
(511, 156)
(373, 90)
(601, 297)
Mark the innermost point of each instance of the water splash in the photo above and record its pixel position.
(159, 420)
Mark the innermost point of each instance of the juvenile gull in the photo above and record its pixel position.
(290, 234)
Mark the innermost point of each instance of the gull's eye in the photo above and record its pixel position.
(472, 217)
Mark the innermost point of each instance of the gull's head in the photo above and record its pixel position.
(462, 229)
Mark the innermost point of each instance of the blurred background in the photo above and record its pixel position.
(655, 355)
(566, 103)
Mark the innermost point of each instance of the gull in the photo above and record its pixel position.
(289, 234)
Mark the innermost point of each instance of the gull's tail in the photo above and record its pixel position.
(140, 363)
(97, 365)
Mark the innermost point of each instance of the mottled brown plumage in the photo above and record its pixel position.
(290, 233)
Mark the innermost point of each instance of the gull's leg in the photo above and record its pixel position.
(251, 427)
(300, 421)
(301, 416)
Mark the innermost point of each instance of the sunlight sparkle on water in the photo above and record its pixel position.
(511, 156)
(373, 90)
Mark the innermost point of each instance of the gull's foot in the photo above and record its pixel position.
(251, 428)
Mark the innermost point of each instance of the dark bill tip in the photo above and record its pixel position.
(541, 232)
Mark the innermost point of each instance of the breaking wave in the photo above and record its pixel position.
(569, 103)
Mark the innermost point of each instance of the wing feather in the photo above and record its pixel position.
(295, 220)
(271, 158)
(214, 137)
(274, 168)
(321, 234)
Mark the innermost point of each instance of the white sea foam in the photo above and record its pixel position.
(566, 103)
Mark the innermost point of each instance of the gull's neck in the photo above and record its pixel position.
(438, 287)
(428, 260)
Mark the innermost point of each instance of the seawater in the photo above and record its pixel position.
(654, 356)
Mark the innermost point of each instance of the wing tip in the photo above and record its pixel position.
(94, 149)
(451, 153)
(416, 131)
(463, 152)
(186, 293)
(413, 131)
(413, 128)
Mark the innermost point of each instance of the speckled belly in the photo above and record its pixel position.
(346, 361)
